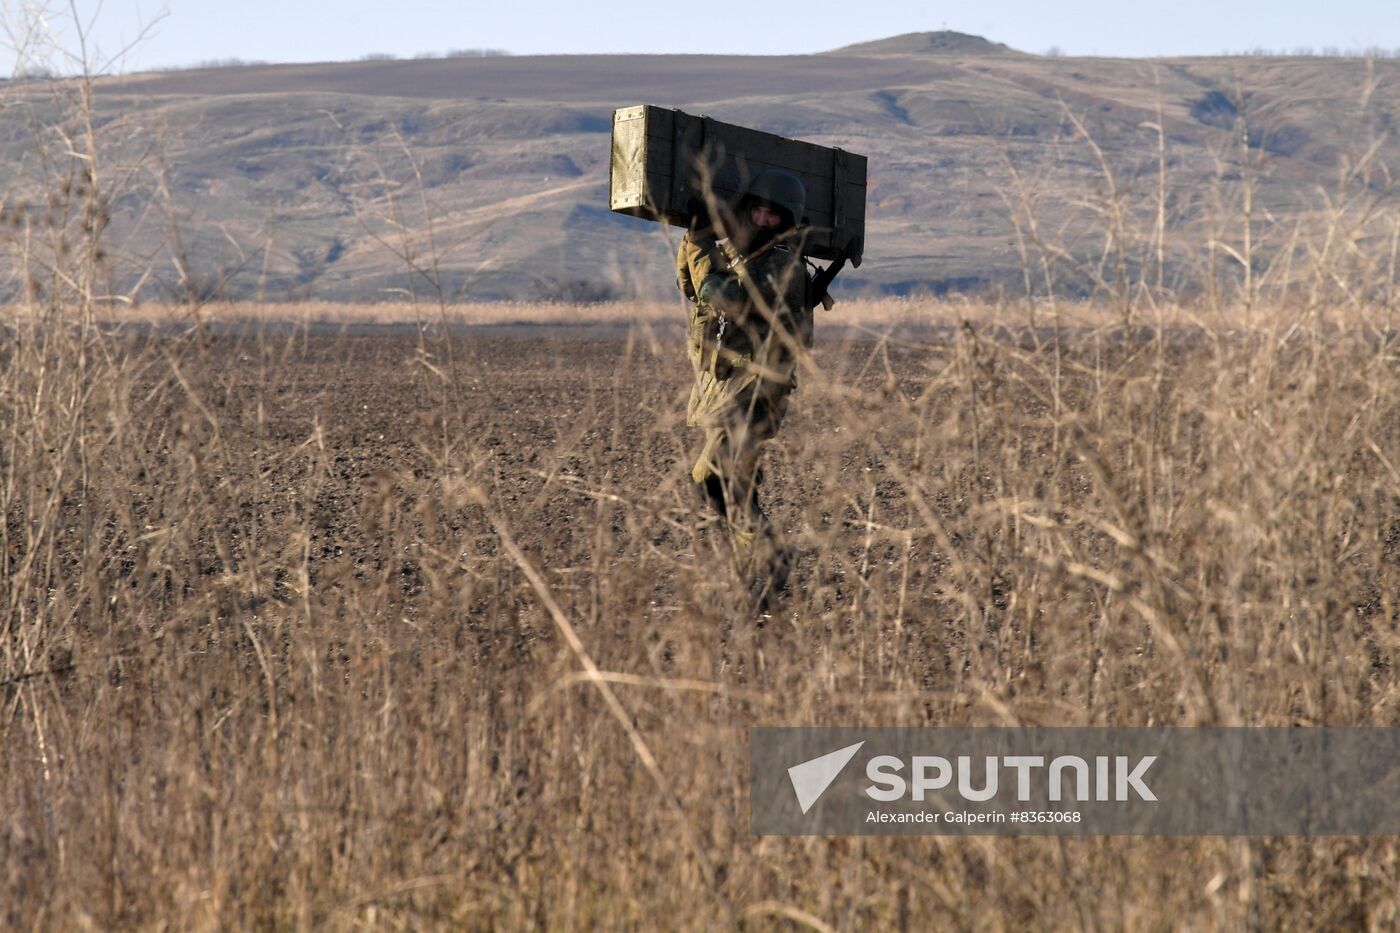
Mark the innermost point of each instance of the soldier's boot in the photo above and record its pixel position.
(711, 493)
(768, 563)
(780, 570)
(770, 579)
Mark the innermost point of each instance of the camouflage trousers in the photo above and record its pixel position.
(740, 410)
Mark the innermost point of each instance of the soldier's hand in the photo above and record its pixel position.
(724, 291)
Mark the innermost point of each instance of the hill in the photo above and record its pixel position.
(490, 175)
(945, 42)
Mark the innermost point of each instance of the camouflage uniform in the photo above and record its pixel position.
(750, 320)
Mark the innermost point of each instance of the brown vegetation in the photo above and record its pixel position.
(281, 645)
(900, 319)
(305, 629)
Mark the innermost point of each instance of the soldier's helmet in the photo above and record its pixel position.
(781, 189)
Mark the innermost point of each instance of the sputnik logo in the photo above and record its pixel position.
(811, 778)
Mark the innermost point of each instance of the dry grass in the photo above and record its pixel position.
(427, 630)
(873, 317)
(261, 668)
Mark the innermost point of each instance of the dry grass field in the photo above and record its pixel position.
(307, 628)
(404, 616)
(898, 319)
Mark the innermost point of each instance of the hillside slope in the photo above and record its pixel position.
(489, 176)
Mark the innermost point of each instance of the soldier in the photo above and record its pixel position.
(750, 320)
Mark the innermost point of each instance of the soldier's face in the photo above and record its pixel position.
(764, 217)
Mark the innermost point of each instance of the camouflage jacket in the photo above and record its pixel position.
(749, 312)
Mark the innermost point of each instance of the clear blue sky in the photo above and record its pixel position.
(188, 31)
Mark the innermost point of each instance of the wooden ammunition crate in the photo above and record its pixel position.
(660, 158)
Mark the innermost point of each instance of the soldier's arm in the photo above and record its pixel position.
(698, 257)
(774, 281)
(722, 290)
